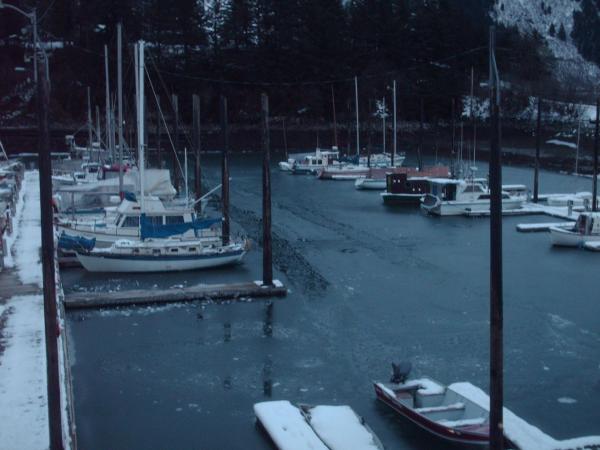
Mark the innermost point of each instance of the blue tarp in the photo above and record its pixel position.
(150, 230)
(130, 196)
(77, 243)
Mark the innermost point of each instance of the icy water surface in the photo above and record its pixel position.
(369, 285)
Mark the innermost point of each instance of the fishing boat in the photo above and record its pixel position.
(160, 255)
(376, 178)
(355, 168)
(311, 164)
(586, 229)
(314, 427)
(452, 197)
(438, 409)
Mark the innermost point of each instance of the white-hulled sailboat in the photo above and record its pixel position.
(157, 250)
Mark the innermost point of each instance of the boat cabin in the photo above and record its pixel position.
(128, 213)
(447, 189)
(399, 183)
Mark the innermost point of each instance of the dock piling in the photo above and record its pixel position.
(196, 140)
(595, 191)
(175, 103)
(225, 172)
(266, 191)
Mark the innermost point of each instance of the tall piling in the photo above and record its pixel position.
(266, 191)
(175, 103)
(420, 149)
(538, 144)
(224, 172)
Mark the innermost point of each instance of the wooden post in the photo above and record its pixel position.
(225, 172)
(595, 189)
(395, 142)
(285, 146)
(496, 299)
(196, 140)
(175, 103)
(538, 144)
(89, 124)
(266, 188)
(120, 106)
(51, 326)
(453, 150)
(335, 140)
(420, 149)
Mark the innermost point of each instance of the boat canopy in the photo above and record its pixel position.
(149, 229)
(67, 242)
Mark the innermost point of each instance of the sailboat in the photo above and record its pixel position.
(157, 250)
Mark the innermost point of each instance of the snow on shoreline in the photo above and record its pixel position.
(23, 404)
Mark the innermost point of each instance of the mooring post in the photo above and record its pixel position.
(538, 144)
(175, 102)
(496, 299)
(453, 149)
(596, 132)
(197, 143)
(422, 118)
(266, 188)
(225, 172)
(51, 327)
(285, 146)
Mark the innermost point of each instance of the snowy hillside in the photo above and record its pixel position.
(547, 17)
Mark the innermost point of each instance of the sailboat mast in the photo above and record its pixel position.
(140, 113)
(89, 122)
(395, 129)
(356, 108)
(107, 108)
(335, 140)
(120, 105)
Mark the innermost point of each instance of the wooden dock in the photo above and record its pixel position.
(140, 297)
(11, 285)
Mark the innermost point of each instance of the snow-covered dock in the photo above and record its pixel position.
(536, 227)
(23, 392)
(211, 292)
(530, 208)
(522, 434)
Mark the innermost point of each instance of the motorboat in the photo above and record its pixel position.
(160, 255)
(311, 164)
(452, 197)
(586, 229)
(438, 409)
(321, 427)
(355, 168)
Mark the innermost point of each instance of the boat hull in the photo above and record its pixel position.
(454, 208)
(450, 434)
(562, 237)
(401, 199)
(370, 184)
(147, 263)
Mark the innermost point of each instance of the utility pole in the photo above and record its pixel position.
(196, 140)
(395, 127)
(538, 144)
(596, 132)
(335, 140)
(356, 108)
(51, 326)
(120, 105)
(225, 172)
(496, 295)
(266, 188)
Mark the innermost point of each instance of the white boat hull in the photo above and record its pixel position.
(454, 208)
(562, 237)
(121, 263)
(370, 184)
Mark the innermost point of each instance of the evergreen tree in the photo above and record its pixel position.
(586, 30)
(562, 34)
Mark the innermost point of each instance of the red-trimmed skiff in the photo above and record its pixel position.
(437, 409)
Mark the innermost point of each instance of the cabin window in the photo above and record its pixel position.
(155, 220)
(192, 249)
(473, 188)
(484, 197)
(136, 251)
(171, 220)
(174, 250)
(131, 221)
(156, 251)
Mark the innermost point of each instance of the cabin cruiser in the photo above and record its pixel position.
(311, 164)
(586, 229)
(376, 178)
(355, 168)
(286, 166)
(124, 222)
(453, 197)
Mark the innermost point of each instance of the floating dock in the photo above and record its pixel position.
(537, 227)
(140, 297)
(522, 434)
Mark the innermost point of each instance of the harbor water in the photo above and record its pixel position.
(368, 285)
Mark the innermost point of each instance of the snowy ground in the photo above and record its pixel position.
(23, 409)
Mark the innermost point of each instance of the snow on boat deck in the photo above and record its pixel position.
(287, 427)
(518, 431)
(340, 428)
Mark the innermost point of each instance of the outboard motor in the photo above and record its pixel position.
(400, 372)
